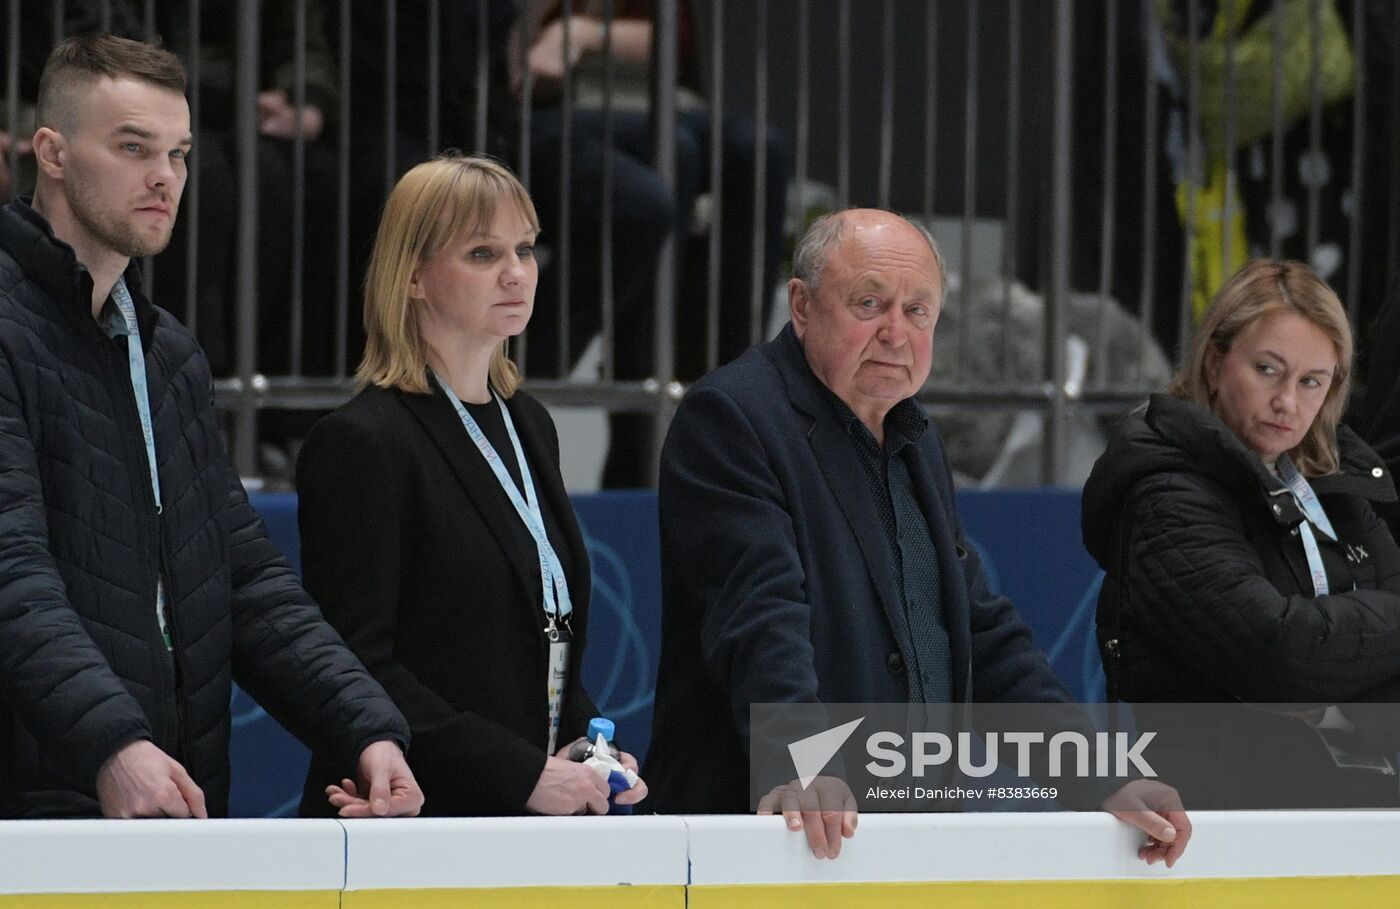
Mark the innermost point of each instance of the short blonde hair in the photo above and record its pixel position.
(1260, 289)
(434, 204)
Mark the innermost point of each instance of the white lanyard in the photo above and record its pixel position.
(1307, 500)
(136, 360)
(557, 605)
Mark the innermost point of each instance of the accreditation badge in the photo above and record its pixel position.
(558, 679)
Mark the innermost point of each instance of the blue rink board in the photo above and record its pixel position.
(1029, 541)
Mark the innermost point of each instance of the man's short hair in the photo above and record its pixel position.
(814, 248)
(78, 62)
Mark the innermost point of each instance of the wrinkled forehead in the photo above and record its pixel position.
(884, 256)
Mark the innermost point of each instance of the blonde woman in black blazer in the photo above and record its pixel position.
(411, 542)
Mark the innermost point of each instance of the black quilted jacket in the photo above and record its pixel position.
(83, 669)
(1208, 593)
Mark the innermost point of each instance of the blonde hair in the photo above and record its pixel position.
(1260, 289)
(434, 204)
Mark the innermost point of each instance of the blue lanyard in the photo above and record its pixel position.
(1307, 500)
(136, 358)
(557, 605)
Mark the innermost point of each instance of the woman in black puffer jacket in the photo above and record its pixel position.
(1245, 563)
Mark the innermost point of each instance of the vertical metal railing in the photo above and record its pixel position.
(666, 27)
(483, 75)
(1276, 222)
(1193, 177)
(391, 95)
(190, 205)
(757, 292)
(12, 94)
(1057, 296)
(1147, 294)
(826, 108)
(1110, 176)
(843, 110)
(1013, 167)
(342, 196)
(1312, 172)
(713, 265)
(1231, 117)
(246, 253)
(887, 64)
(802, 140)
(298, 263)
(564, 242)
(1359, 205)
(930, 105)
(605, 215)
(969, 212)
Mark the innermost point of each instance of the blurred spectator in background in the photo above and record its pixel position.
(213, 311)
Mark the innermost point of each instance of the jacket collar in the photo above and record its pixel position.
(1214, 449)
(52, 265)
(832, 447)
(439, 419)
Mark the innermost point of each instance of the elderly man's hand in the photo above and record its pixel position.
(1155, 809)
(826, 809)
(388, 783)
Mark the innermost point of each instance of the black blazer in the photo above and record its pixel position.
(776, 581)
(418, 558)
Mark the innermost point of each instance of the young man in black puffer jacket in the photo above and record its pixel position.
(135, 579)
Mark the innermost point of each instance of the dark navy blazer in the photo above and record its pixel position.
(778, 584)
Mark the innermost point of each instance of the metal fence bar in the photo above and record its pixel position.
(148, 21)
(1276, 224)
(483, 74)
(717, 225)
(246, 285)
(1110, 176)
(58, 10)
(391, 79)
(1392, 251)
(527, 91)
(104, 15)
(665, 32)
(12, 98)
(1231, 113)
(298, 265)
(605, 289)
(930, 104)
(1315, 130)
(886, 101)
(342, 201)
(566, 153)
(1057, 300)
(190, 204)
(804, 109)
(1147, 294)
(1193, 171)
(1013, 146)
(757, 291)
(434, 50)
(843, 111)
(1358, 146)
(969, 213)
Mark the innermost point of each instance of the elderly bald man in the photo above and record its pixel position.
(810, 545)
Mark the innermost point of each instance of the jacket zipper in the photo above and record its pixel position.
(155, 522)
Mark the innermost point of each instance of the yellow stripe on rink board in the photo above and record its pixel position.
(651, 896)
(213, 899)
(1199, 893)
